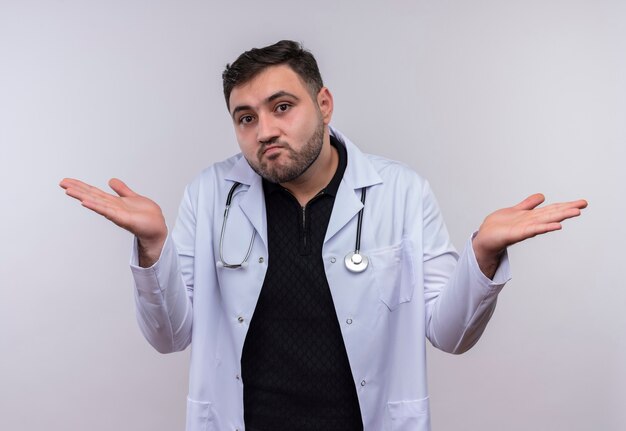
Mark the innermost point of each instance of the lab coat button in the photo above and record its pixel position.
(261, 260)
(237, 376)
(349, 321)
(362, 382)
(240, 319)
(333, 260)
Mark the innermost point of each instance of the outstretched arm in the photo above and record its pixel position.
(525, 220)
(129, 210)
(161, 295)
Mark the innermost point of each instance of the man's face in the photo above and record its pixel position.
(279, 127)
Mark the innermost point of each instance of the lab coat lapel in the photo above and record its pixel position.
(359, 173)
(347, 205)
(252, 204)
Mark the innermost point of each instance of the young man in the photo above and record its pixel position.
(306, 274)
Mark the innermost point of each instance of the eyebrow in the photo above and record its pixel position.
(269, 99)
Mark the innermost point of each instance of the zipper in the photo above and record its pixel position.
(304, 233)
(304, 218)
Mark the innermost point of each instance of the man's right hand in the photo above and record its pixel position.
(137, 214)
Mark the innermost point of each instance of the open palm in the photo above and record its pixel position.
(135, 213)
(525, 220)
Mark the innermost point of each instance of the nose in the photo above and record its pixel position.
(267, 130)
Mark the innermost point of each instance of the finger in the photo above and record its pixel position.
(108, 208)
(81, 191)
(531, 202)
(578, 204)
(97, 206)
(581, 203)
(539, 229)
(548, 222)
(72, 182)
(533, 230)
(559, 212)
(64, 183)
(75, 193)
(120, 188)
(563, 214)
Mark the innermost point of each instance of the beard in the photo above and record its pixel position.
(298, 161)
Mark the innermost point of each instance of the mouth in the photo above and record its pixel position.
(270, 150)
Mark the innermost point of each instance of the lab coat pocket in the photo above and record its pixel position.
(200, 416)
(408, 415)
(394, 273)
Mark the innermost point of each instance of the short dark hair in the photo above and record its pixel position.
(251, 63)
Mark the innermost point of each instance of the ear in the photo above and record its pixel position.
(325, 103)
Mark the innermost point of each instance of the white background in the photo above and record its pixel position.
(490, 100)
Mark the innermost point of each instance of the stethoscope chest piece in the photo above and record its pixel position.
(356, 262)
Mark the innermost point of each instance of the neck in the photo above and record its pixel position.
(317, 176)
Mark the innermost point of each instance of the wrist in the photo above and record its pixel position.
(149, 249)
(488, 260)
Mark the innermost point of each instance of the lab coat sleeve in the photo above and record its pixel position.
(163, 291)
(459, 298)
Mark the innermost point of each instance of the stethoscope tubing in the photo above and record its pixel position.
(222, 262)
(359, 223)
(354, 261)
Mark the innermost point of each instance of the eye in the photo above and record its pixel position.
(246, 119)
(283, 107)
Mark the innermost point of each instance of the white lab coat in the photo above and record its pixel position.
(413, 289)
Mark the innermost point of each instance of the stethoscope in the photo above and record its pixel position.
(354, 261)
(222, 262)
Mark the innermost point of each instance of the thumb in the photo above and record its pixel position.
(531, 202)
(120, 188)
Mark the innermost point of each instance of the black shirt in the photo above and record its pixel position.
(294, 364)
